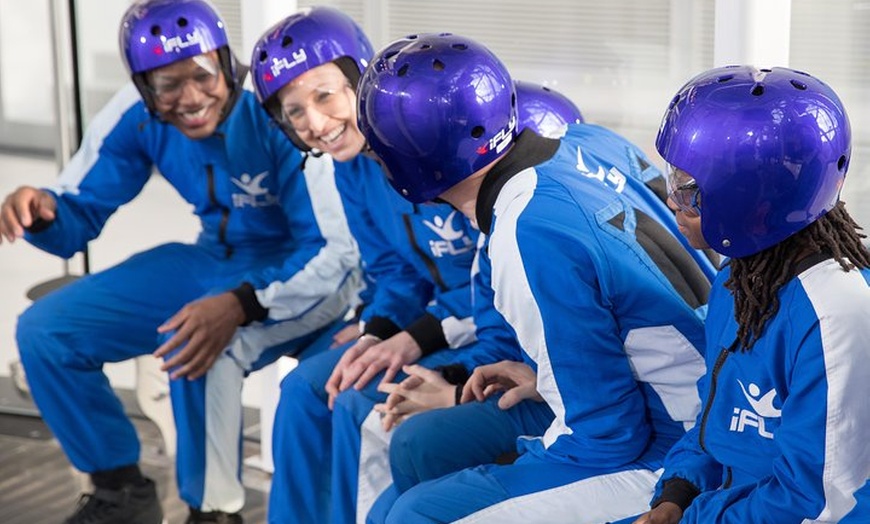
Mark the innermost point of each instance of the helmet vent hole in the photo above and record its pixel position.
(437, 65)
(182, 22)
(425, 46)
(459, 47)
(286, 41)
(725, 78)
(155, 30)
(841, 163)
(403, 70)
(391, 54)
(766, 70)
(263, 56)
(412, 37)
(757, 90)
(477, 132)
(798, 85)
(514, 100)
(545, 88)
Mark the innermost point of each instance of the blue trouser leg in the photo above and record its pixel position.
(442, 441)
(301, 442)
(65, 337)
(382, 506)
(208, 414)
(360, 462)
(533, 489)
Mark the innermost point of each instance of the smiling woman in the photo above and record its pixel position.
(313, 99)
(320, 106)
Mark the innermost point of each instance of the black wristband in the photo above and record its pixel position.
(679, 491)
(428, 334)
(458, 394)
(381, 327)
(251, 307)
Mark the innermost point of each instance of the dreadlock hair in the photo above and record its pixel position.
(755, 280)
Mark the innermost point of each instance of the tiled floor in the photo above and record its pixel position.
(38, 485)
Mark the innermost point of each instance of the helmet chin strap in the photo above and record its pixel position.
(235, 72)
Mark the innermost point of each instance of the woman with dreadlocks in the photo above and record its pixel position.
(757, 159)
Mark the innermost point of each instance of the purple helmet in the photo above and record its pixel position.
(157, 33)
(305, 40)
(545, 111)
(768, 148)
(435, 108)
(302, 41)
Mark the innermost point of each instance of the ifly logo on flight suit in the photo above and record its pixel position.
(612, 178)
(255, 195)
(177, 43)
(762, 409)
(453, 241)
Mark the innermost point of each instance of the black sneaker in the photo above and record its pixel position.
(128, 505)
(213, 517)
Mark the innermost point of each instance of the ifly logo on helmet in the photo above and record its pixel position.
(282, 64)
(179, 43)
(501, 139)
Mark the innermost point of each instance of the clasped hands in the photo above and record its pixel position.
(425, 389)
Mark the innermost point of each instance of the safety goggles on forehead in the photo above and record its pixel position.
(683, 191)
(168, 88)
(328, 98)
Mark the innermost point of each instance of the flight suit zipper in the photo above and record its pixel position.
(225, 212)
(430, 264)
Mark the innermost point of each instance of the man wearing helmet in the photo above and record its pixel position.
(757, 160)
(592, 296)
(273, 268)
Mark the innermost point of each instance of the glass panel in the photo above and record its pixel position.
(26, 80)
(830, 40)
(620, 61)
(101, 71)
